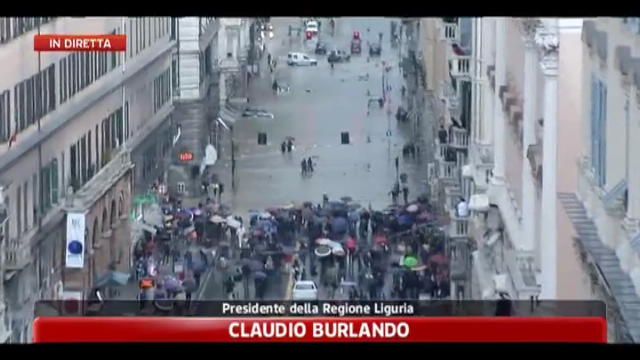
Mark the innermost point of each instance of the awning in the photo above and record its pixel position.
(479, 202)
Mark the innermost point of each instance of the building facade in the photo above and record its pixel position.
(67, 122)
(606, 208)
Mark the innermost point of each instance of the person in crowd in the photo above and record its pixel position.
(303, 166)
(220, 191)
(310, 164)
(443, 135)
(405, 194)
(462, 208)
(229, 287)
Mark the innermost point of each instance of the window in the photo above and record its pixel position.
(97, 162)
(73, 162)
(83, 159)
(19, 211)
(126, 119)
(61, 84)
(50, 189)
(174, 75)
(599, 130)
(174, 28)
(35, 192)
(25, 206)
(119, 127)
(5, 116)
(62, 178)
(90, 168)
(52, 86)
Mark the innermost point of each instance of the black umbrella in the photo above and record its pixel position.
(346, 199)
(254, 265)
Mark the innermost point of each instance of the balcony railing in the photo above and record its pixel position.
(17, 254)
(448, 170)
(459, 138)
(449, 32)
(460, 66)
(442, 151)
(459, 226)
(108, 175)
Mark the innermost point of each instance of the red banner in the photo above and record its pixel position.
(481, 329)
(72, 43)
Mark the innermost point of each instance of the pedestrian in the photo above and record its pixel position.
(216, 186)
(229, 287)
(303, 166)
(289, 145)
(189, 286)
(443, 135)
(269, 59)
(283, 147)
(220, 191)
(325, 199)
(395, 192)
(310, 165)
(205, 186)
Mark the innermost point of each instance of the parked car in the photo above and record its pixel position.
(305, 290)
(375, 49)
(300, 59)
(311, 29)
(338, 56)
(321, 48)
(257, 113)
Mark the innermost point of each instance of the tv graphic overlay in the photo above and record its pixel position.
(322, 321)
(80, 43)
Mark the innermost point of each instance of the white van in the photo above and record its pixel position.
(300, 59)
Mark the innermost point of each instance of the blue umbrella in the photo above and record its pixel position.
(339, 225)
(405, 220)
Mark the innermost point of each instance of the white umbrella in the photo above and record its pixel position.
(324, 242)
(412, 208)
(265, 216)
(233, 222)
(217, 219)
(338, 251)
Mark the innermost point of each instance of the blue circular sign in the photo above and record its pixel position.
(75, 247)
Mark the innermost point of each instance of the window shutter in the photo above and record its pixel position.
(54, 181)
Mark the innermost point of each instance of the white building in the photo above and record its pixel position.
(606, 210)
(212, 62)
(70, 120)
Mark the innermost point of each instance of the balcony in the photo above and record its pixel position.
(441, 155)
(449, 32)
(448, 170)
(17, 254)
(460, 66)
(459, 226)
(481, 159)
(459, 138)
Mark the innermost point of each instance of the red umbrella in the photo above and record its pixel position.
(258, 233)
(351, 244)
(381, 240)
(439, 259)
